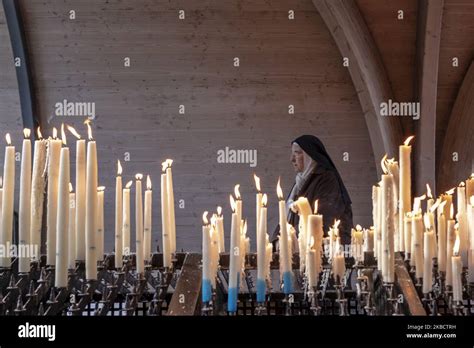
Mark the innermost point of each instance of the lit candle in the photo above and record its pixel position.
(316, 234)
(311, 265)
(206, 260)
(147, 222)
(369, 239)
(398, 238)
(140, 262)
(7, 200)
(375, 215)
(24, 213)
(220, 229)
(100, 223)
(404, 205)
(302, 207)
(126, 219)
(72, 229)
(214, 250)
(54, 150)
(38, 183)
(170, 196)
(165, 229)
(91, 206)
(357, 243)
(238, 204)
(258, 204)
(451, 238)
(234, 256)
(62, 217)
(285, 247)
(378, 230)
(118, 217)
(463, 224)
(417, 243)
(442, 238)
(338, 264)
(261, 251)
(428, 253)
(456, 264)
(388, 262)
(80, 195)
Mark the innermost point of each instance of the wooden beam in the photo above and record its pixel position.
(459, 137)
(354, 40)
(430, 14)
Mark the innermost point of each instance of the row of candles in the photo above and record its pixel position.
(75, 220)
(398, 226)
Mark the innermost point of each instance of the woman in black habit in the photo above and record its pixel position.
(318, 179)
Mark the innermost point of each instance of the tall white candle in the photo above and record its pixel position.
(118, 218)
(404, 196)
(126, 219)
(262, 251)
(463, 224)
(285, 247)
(398, 238)
(238, 204)
(100, 223)
(470, 210)
(442, 239)
(139, 224)
(91, 207)
(408, 233)
(428, 255)
(24, 213)
(456, 264)
(54, 150)
(220, 229)
(165, 219)
(170, 196)
(62, 217)
(206, 259)
(451, 238)
(417, 243)
(234, 256)
(6, 223)
(147, 226)
(72, 229)
(258, 204)
(38, 183)
(388, 261)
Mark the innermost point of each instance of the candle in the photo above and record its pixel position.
(38, 183)
(315, 233)
(244, 244)
(165, 229)
(261, 251)
(404, 205)
(62, 216)
(369, 239)
(126, 218)
(357, 243)
(220, 229)
(147, 222)
(338, 265)
(206, 260)
(80, 195)
(214, 250)
(140, 262)
(258, 204)
(303, 209)
(375, 219)
(285, 247)
(170, 196)
(54, 150)
(91, 206)
(398, 238)
(311, 267)
(470, 208)
(72, 229)
(24, 213)
(463, 224)
(456, 264)
(451, 238)
(408, 232)
(470, 187)
(238, 204)
(234, 256)
(378, 230)
(388, 262)
(6, 223)
(100, 223)
(428, 253)
(417, 243)
(118, 218)
(442, 238)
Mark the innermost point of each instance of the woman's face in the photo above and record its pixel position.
(297, 157)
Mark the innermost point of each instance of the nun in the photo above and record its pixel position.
(318, 179)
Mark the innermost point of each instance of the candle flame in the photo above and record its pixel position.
(8, 139)
(451, 211)
(63, 135)
(450, 192)
(70, 188)
(138, 176)
(237, 192)
(148, 182)
(89, 129)
(264, 200)
(336, 224)
(119, 168)
(164, 165)
(383, 164)
(244, 228)
(435, 205)
(74, 132)
(169, 161)
(441, 206)
(279, 190)
(129, 184)
(417, 203)
(456, 244)
(428, 191)
(38, 131)
(101, 189)
(257, 182)
(311, 242)
(232, 203)
(409, 214)
(26, 133)
(213, 222)
(55, 133)
(316, 203)
(358, 227)
(426, 220)
(205, 221)
(461, 184)
(219, 210)
(472, 176)
(407, 141)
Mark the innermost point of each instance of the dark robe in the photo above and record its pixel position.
(325, 185)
